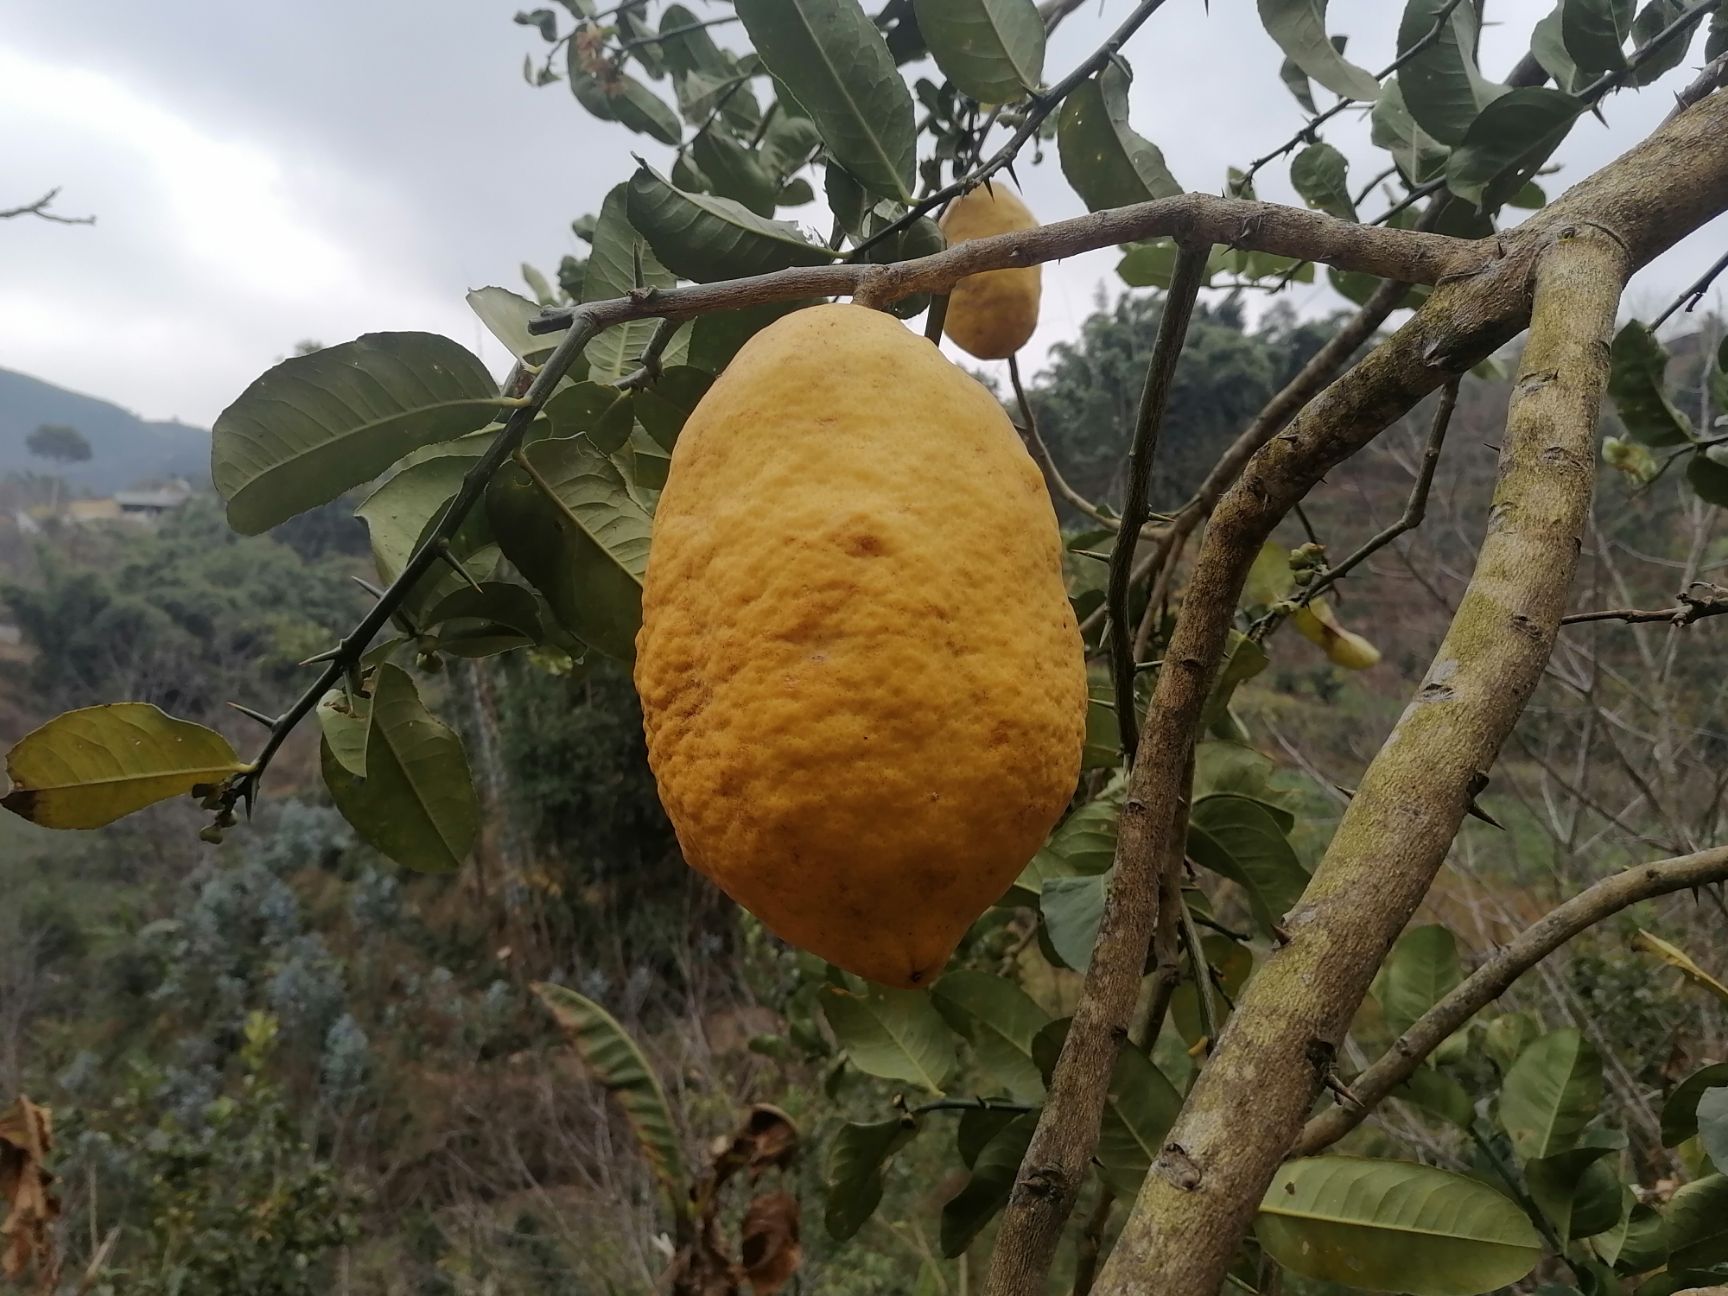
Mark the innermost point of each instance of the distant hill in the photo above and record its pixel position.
(126, 448)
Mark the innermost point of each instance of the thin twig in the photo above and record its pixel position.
(1691, 607)
(648, 370)
(1185, 284)
(1695, 293)
(39, 208)
(636, 42)
(1415, 508)
(1046, 460)
(1091, 1241)
(1202, 972)
(1714, 75)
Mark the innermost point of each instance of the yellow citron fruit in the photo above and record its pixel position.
(992, 314)
(861, 680)
(1316, 624)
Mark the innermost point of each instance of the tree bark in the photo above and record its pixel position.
(1201, 1194)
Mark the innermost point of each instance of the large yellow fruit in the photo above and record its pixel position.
(991, 314)
(861, 680)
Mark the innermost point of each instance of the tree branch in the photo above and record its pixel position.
(1589, 907)
(40, 208)
(1713, 601)
(1185, 284)
(1200, 1196)
(1701, 285)
(1041, 451)
(1410, 255)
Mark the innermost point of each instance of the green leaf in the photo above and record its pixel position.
(1514, 134)
(1680, 1112)
(1232, 962)
(1716, 43)
(1550, 1094)
(1106, 162)
(1436, 1092)
(1708, 477)
(505, 315)
(854, 1175)
(497, 617)
(1506, 1036)
(1594, 32)
(999, 1020)
(1568, 1186)
(1548, 45)
(1394, 1226)
(1296, 80)
(317, 425)
(619, 1066)
(614, 95)
(1320, 175)
(1637, 384)
(617, 250)
(346, 723)
(1712, 1115)
(1441, 85)
(1299, 27)
(1421, 969)
(1653, 19)
(1637, 1243)
(992, 50)
(986, 1192)
(663, 406)
(1140, 1107)
(1239, 839)
(1719, 372)
(570, 525)
(1152, 265)
(401, 511)
(837, 65)
(701, 93)
(894, 1034)
(1698, 1224)
(1417, 153)
(789, 141)
(734, 172)
(1072, 908)
(89, 767)
(604, 415)
(977, 1126)
(416, 803)
(705, 238)
(1083, 844)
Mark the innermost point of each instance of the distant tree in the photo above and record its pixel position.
(59, 442)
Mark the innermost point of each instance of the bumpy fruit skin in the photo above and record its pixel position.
(992, 314)
(861, 680)
(1346, 648)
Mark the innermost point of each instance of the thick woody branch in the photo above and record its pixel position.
(1409, 255)
(1583, 911)
(1200, 1195)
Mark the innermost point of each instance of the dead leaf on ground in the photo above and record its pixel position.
(26, 1188)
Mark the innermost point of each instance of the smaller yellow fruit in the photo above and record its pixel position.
(1316, 624)
(992, 314)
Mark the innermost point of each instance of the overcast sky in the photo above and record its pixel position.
(267, 173)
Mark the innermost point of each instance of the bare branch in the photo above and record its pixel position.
(1694, 294)
(1712, 601)
(1185, 284)
(1046, 460)
(1601, 901)
(40, 207)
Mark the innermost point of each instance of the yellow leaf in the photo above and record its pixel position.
(89, 767)
(1676, 957)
